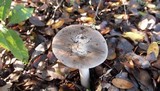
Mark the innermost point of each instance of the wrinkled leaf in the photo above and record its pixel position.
(19, 14)
(9, 39)
(4, 8)
(153, 47)
(138, 60)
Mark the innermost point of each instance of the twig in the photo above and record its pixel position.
(125, 10)
(59, 4)
(96, 13)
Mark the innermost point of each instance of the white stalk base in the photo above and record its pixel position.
(84, 77)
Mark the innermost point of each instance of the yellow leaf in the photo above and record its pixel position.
(69, 9)
(58, 24)
(153, 47)
(87, 19)
(50, 22)
(134, 36)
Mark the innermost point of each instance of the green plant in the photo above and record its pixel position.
(9, 39)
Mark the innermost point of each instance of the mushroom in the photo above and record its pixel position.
(80, 47)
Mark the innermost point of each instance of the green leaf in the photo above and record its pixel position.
(9, 39)
(3, 42)
(4, 8)
(19, 14)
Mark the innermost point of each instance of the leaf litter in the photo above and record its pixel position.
(131, 29)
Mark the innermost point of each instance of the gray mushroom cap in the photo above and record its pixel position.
(80, 46)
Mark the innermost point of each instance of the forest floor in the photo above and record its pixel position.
(131, 29)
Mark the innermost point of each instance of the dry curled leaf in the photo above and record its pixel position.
(138, 60)
(122, 83)
(153, 47)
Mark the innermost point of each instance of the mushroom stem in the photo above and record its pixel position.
(84, 76)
